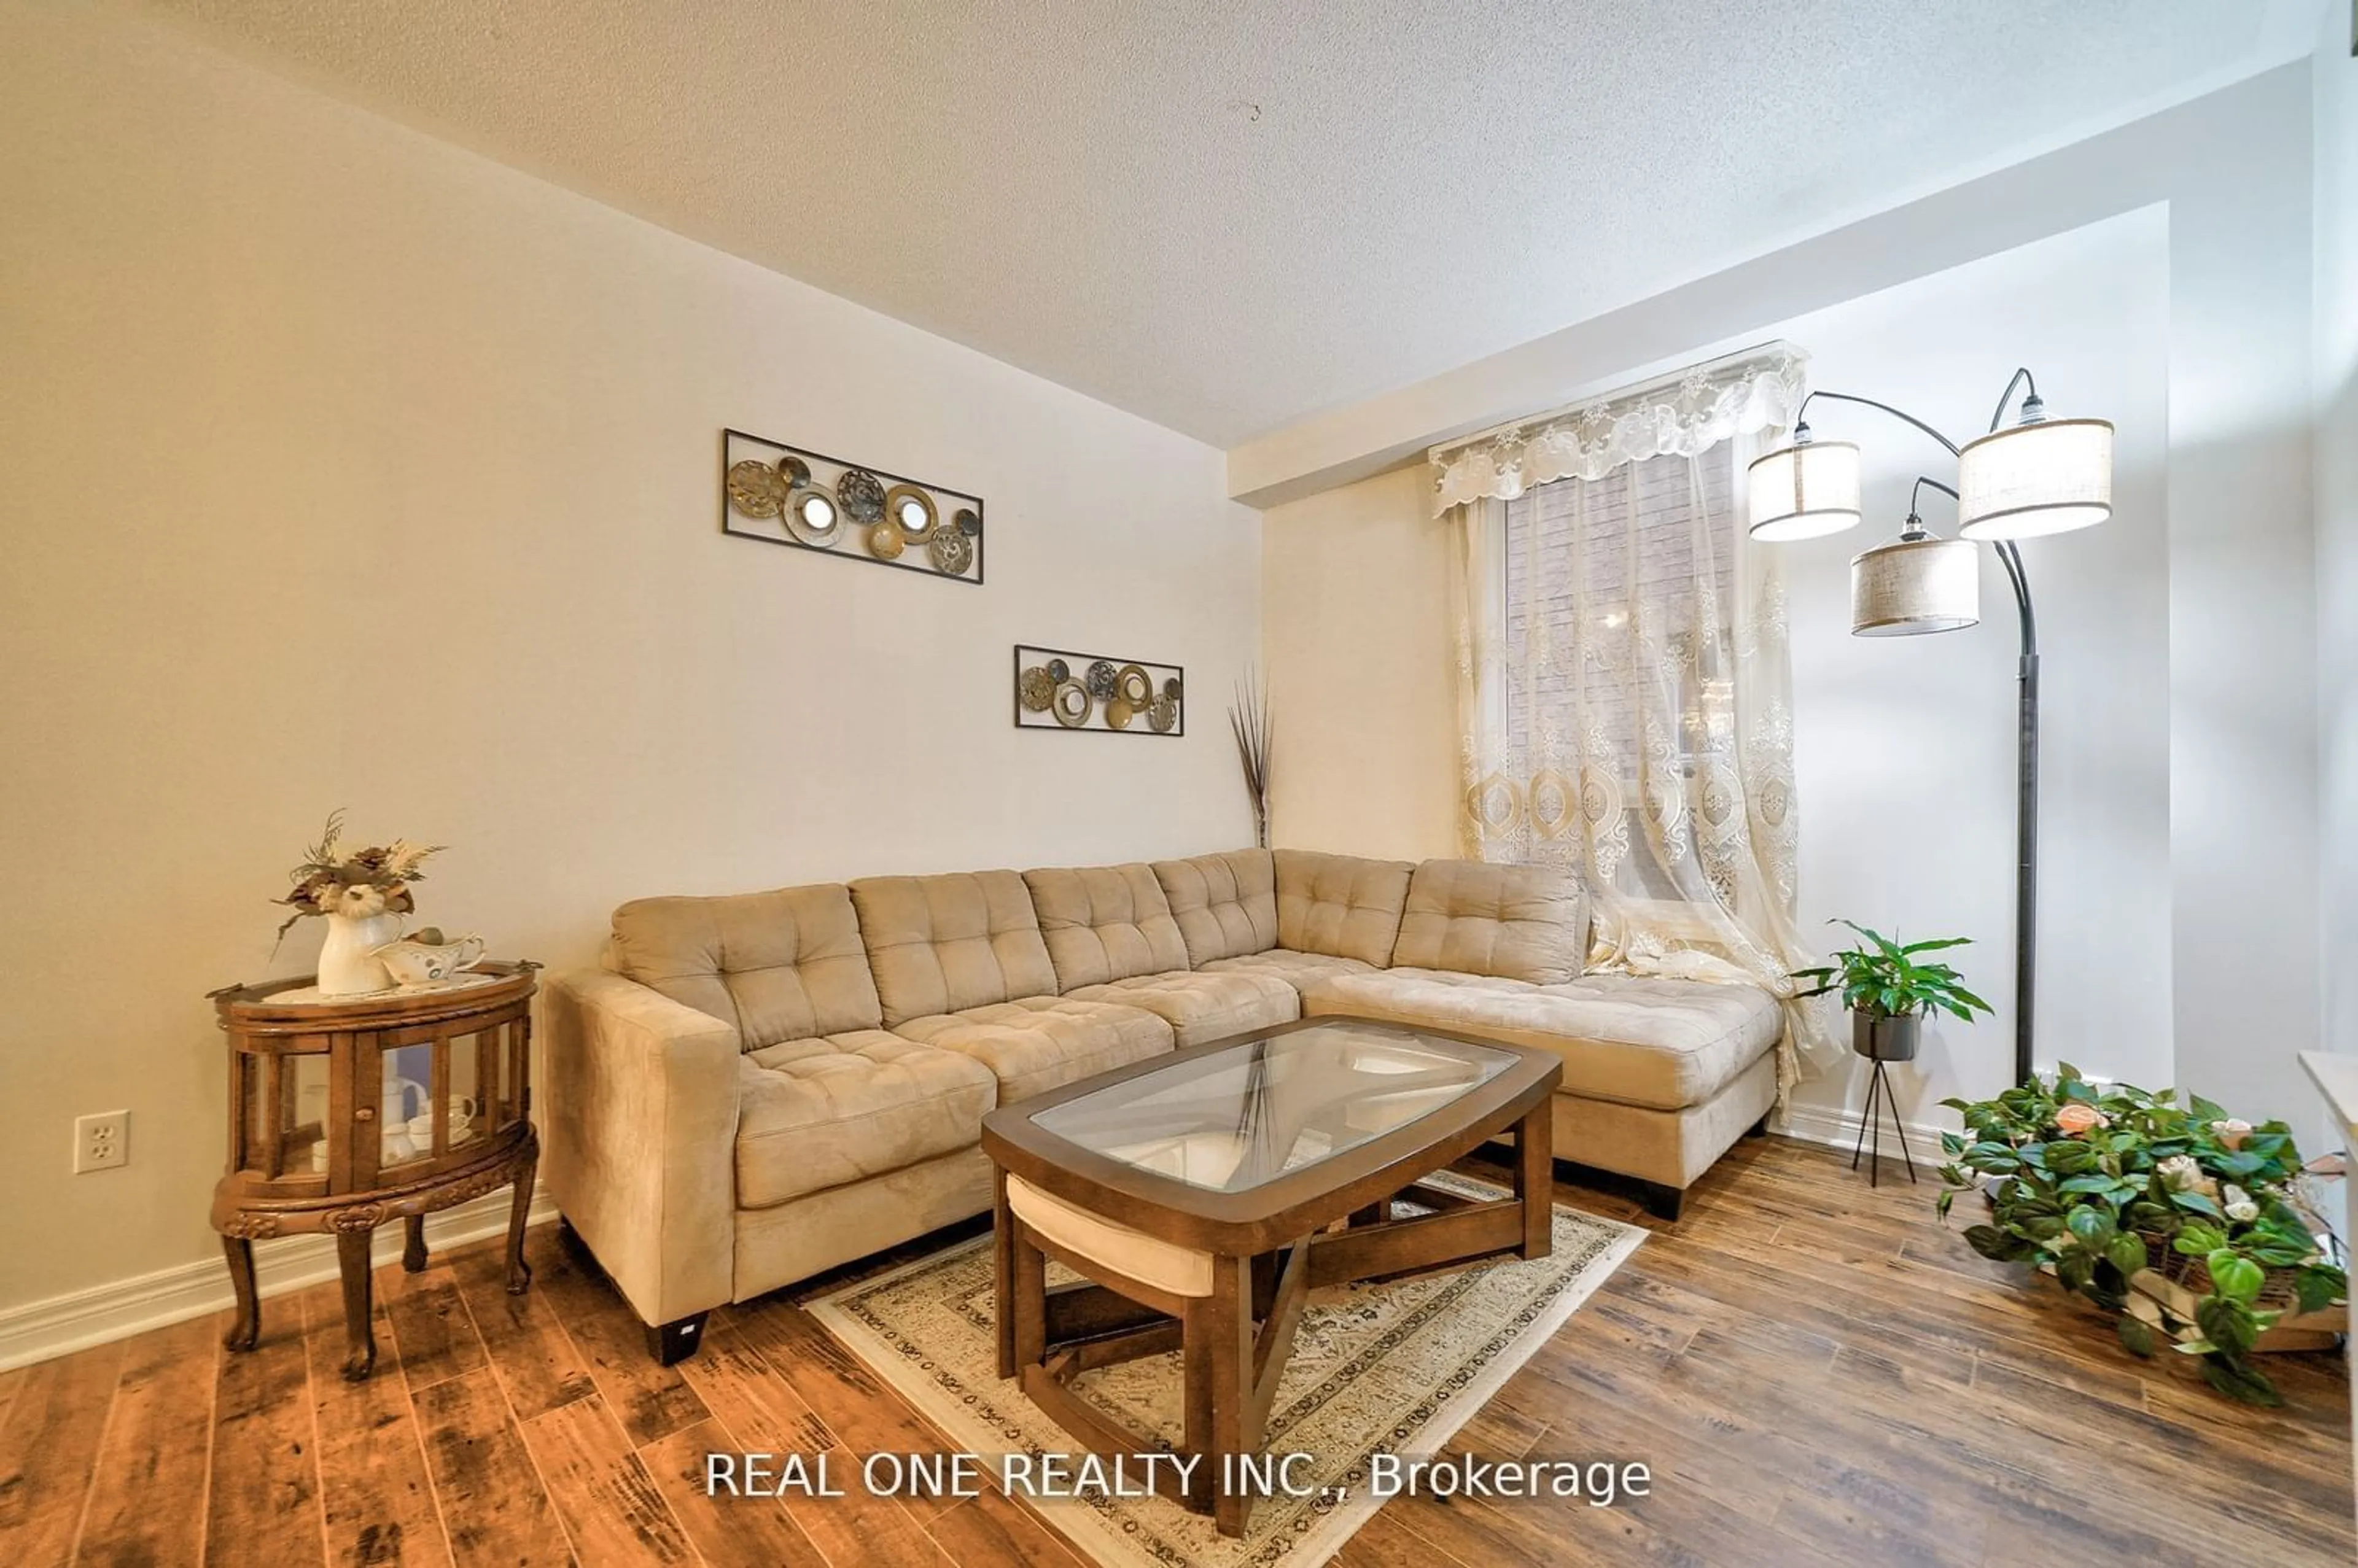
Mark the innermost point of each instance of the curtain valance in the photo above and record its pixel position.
(1681, 415)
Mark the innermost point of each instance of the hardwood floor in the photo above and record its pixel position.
(1815, 1372)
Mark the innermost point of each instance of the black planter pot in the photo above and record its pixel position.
(1880, 1037)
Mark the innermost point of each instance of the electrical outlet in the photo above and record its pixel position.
(102, 1142)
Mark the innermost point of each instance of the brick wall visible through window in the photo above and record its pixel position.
(1550, 577)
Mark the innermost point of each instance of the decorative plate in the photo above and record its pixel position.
(1036, 688)
(1171, 688)
(1100, 679)
(813, 516)
(884, 541)
(863, 496)
(1059, 671)
(1072, 705)
(1132, 684)
(912, 508)
(794, 470)
(755, 489)
(952, 551)
(1162, 715)
(1117, 713)
(969, 522)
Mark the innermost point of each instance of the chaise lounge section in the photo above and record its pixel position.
(761, 1086)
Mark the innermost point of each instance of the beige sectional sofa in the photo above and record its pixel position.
(761, 1086)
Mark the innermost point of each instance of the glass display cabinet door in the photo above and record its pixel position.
(283, 1113)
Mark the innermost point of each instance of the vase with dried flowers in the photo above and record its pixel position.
(1249, 719)
(363, 896)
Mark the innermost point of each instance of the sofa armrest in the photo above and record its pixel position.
(642, 1102)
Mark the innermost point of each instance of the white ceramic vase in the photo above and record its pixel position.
(348, 962)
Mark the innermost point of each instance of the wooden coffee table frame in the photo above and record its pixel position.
(1327, 1222)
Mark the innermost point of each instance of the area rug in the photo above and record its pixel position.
(1394, 1368)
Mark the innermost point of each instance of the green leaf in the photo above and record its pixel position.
(2195, 1203)
(2240, 1382)
(2097, 1183)
(2205, 1110)
(2196, 1239)
(1947, 1197)
(2126, 1253)
(2068, 1157)
(2227, 1324)
(2320, 1287)
(2093, 1226)
(1993, 1243)
(2135, 1337)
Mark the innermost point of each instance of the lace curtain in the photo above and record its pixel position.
(1624, 679)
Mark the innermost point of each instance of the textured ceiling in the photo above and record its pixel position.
(1225, 216)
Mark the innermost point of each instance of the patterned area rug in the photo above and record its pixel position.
(1395, 1367)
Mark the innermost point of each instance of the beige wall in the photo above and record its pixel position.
(1362, 677)
(1911, 740)
(2336, 90)
(342, 467)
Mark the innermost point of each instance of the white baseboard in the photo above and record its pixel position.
(38, 1331)
(1840, 1130)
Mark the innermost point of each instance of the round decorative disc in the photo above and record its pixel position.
(863, 496)
(912, 508)
(1072, 705)
(1100, 679)
(755, 489)
(969, 522)
(1132, 684)
(1171, 688)
(813, 516)
(1059, 671)
(1037, 688)
(1163, 714)
(952, 551)
(1117, 713)
(794, 470)
(884, 541)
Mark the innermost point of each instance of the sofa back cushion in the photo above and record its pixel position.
(948, 943)
(1225, 905)
(783, 965)
(1105, 922)
(1519, 923)
(1340, 905)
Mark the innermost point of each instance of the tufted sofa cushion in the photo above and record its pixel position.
(1038, 1043)
(818, 1113)
(1339, 905)
(1522, 922)
(1201, 1006)
(1105, 922)
(1635, 1040)
(783, 965)
(1225, 905)
(947, 943)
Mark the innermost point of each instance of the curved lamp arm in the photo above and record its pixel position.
(1801, 423)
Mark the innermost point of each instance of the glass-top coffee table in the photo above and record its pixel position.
(1200, 1195)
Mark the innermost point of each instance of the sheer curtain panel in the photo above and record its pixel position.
(1625, 687)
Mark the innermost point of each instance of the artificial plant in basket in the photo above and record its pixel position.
(2103, 1182)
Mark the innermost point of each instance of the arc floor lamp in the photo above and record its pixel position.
(2035, 477)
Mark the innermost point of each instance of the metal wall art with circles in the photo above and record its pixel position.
(1056, 688)
(788, 496)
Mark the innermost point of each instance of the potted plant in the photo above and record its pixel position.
(1888, 991)
(2177, 1218)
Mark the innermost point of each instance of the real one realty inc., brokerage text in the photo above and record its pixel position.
(1044, 1476)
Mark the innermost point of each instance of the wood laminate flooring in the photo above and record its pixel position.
(1814, 1371)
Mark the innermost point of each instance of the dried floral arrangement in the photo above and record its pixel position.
(375, 881)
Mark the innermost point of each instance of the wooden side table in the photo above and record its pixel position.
(348, 1111)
